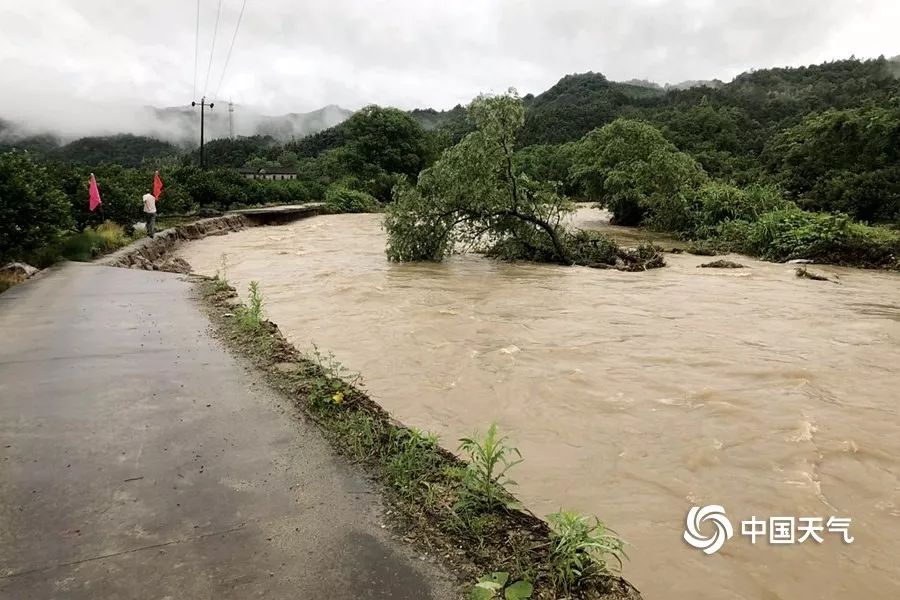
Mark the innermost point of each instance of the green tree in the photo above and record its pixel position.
(634, 171)
(550, 163)
(474, 197)
(474, 190)
(381, 144)
(33, 212)
(288, 160)
(842, 160)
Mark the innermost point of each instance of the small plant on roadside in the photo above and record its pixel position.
(334, 383)
(360, 434)
(497, 586)
(579, 547)
(251, 316)
(221, 277)
(415, 456)
(490, 458)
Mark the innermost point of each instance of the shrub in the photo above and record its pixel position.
(793, 233)
(33, 212)
(717, 203)
(592, 248)
(342, 199)
(217, 188)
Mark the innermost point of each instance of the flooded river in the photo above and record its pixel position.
(632, 396)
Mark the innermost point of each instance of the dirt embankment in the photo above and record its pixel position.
(154, 254)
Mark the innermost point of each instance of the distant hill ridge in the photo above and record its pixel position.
(576, 104)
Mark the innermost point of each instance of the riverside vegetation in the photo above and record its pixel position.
(779, 163)
(458, 509)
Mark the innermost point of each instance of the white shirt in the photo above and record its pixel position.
(150, 204)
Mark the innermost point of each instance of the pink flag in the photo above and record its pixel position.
(157, 185)
(95, 194)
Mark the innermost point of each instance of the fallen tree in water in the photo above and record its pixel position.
(473, 198)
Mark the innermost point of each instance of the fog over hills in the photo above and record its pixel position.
(179, 125)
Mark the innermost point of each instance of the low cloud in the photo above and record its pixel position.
(93, 66)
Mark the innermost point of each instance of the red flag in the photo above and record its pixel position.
(157, 185)
(94, 194)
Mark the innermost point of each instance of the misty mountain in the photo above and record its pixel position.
(178, 126)
(225, 120)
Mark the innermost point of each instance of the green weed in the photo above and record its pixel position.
(414, 457)
(334, 383)
(251, 316)
(221, 278)
(579, 547)
(490, 458)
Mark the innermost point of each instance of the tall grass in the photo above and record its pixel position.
(85, 245)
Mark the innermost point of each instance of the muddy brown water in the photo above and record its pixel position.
(632, 396)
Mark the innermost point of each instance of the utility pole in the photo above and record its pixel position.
(230, 119)
(203, 106)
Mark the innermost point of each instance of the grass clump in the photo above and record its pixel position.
(7, 282)
(220, 280)
(580, 548)
(485, 478)
(84, 246)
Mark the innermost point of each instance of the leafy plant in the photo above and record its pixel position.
(579, 547)
(341, 198)
(333, 384)
(494, 586)
(33, 212)
(251, 316)
(490, 458)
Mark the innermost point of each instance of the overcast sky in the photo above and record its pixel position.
(71, 59)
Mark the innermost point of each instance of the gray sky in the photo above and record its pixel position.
(90, 60)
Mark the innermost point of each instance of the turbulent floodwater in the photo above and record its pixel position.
(632, 396)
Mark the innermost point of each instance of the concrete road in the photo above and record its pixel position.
(138, 459)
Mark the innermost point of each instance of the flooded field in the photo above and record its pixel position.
(632, 396)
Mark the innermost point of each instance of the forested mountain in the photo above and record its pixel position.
(578, 104)
(778, 163)
(125, 149)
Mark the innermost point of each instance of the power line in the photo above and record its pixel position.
(212, 49)
(228, 56)
(196, 50)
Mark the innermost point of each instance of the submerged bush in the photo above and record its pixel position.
(340, 198)
(717, 203)
(794, 233)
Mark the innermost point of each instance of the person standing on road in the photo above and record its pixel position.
(150, 213)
